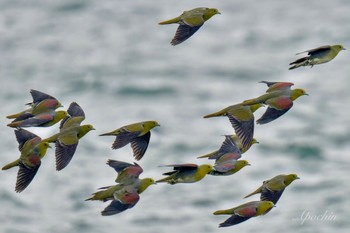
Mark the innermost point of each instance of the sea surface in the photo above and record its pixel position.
(116, 62)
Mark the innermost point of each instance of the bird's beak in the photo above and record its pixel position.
(343, 48)
(249, 164)
(298, 178)
(219, 13)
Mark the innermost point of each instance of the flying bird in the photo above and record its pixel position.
(125, 194)
(189, 22)
(244, 212)
(67, 139)
(272, 189)
(44, 119)
(279, 97)
(32, 149)
(231, 144)
(226, 166)
(137, 134)
(242, 120)
(317, 56)
(186, 173)
(42, 102)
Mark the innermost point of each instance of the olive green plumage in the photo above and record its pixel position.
(44, 119)
(242, 120)
(227, 167)
(32, 149)
(272, 189)
(137, 134)
(244, 212)
(186, 173)
(189, 22)
(320, 55)
(42, 102)
(279, 97)
(67, 139)
(125, 194)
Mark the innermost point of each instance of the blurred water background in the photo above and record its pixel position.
(114, 59)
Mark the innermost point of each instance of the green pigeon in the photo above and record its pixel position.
(67, 139)
(226, 166)
(137, 134)
(279, 97)
(189, 22)
(186, 173)
(231, 144)
(272, 189)
(320, 55)
(44, 119)
(42, 102)
(125, 194)
(242, 121)
(244, 212)
(32, 149)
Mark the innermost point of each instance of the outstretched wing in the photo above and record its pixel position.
(271, 114)
(233, 220)
(25, 175)
(184, 32)
(75, 110)
(243, 129)
(64, 154)
(139, 145)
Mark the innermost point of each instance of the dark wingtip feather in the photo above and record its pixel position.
(25, 176)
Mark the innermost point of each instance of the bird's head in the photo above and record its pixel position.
(338, 47)
(206, 168)
(290, 178)
(145, 183)
(296, 93)
(61, 114)
(254, 141)
(242, 163)
(264, 207)
(210, 12)
(84, 129)
(150, 124)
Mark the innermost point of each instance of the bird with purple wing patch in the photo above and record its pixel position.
(244, 212)
(279, 97)
(32, 149)
(42, 102)
(44, 119)
(125, 194)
